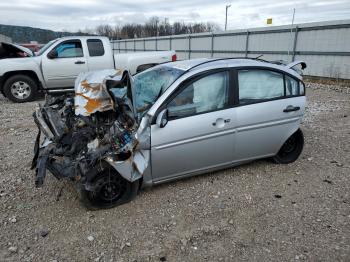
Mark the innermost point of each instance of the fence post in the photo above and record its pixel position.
(125, 44)
(156, 43)
(170, 43)
(295, 42)
(212, 45)
(144, 44)
(189, 46)
(247, 44)
(134, 45)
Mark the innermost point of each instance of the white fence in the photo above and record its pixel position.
(325, 46)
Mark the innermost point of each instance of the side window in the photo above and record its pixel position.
(69, 49)
(292, 86)
(95, 47)
(302, 88)
(259, 85)
(209, 93)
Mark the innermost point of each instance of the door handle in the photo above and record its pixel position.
(221, 122)
(291, 109)
(79, 62)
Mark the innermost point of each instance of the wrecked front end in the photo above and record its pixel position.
(91, 132)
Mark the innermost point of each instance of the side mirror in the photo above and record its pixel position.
(162, 118)
(52, 54)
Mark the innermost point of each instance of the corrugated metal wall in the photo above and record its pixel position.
(325, 46)
(4, 38)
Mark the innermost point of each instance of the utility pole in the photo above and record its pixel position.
(157, 33)
(227, 7)
(291, 28)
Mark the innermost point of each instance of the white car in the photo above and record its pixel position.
(58, 63)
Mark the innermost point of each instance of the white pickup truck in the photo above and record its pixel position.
(56, 66)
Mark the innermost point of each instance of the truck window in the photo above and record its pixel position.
(95, 47)
(69, 49)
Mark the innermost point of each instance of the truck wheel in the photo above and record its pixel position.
(20, 88)
(291, 149)
(109, 190)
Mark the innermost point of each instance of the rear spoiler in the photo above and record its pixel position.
(293, 64)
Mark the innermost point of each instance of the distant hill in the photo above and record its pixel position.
(25, 34)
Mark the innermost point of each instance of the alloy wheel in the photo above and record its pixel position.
(20, 90)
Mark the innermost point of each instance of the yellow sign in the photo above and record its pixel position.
(269, 21)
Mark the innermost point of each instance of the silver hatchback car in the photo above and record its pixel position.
(119, 133)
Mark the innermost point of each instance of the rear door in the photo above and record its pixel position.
(270, 108)
(69, 62)
(199, 134)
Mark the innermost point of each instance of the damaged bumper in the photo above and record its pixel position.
(95, 126)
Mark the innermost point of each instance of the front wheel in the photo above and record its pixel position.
(291, 149)
(20, 88)
(109, 189)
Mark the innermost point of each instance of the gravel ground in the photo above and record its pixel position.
(257, 212)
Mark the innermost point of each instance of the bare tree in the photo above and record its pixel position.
(105, 30)
(153, 27)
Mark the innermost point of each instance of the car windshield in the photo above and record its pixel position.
(150, 84)
(45, 47)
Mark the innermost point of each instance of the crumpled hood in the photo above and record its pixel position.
(91, 93)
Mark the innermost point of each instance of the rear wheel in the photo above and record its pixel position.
(291, 149)
(109, 190)
(20, 88)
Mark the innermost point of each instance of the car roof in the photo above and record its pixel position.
(83, 37)
(202, 64)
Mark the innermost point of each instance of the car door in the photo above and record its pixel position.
(66, 62)
(268, 112)
(199, 134)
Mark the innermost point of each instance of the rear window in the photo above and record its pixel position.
(95, 47)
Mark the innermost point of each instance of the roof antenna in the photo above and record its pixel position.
(258, 56)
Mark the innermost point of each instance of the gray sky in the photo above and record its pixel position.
(72, 15)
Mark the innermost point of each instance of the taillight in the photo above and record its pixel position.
(173, 58)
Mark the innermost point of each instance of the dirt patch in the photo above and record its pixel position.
(257, 212)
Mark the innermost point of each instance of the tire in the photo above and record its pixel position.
(291, 149)
(110, 190)
(20, 88)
